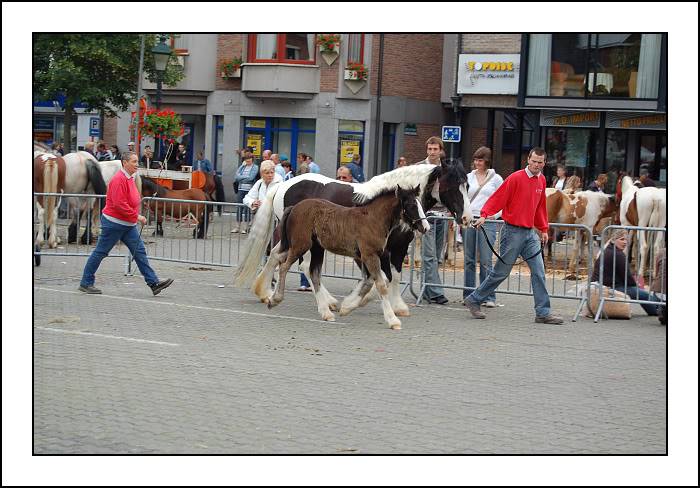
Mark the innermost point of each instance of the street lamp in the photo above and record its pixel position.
(161, 54)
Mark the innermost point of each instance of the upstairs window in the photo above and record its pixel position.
(356, 48)
(282, 48)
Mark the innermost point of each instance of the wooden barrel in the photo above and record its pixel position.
(199, 179)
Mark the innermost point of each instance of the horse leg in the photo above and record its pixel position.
(285, 263)
(53, 240)
(40, 214)
(573, 262)
(315, 265)
(262, 284)
(375, 271)
(359, 294)
(323, 292)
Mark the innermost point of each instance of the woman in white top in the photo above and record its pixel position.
(483, 182)
(559, 181)
(269, 178)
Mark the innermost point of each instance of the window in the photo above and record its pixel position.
(282, 48)
(350, 140)
(356, 48)
(594, 65)
(574, 148)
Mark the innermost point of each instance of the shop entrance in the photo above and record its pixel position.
(284, 136)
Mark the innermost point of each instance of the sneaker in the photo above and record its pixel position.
(475, 309)
(489, 304)
(549, 319)
(243, 231)
(158, 287)
(235, 230)
(440, 300)
(304, 288)
(90, 290)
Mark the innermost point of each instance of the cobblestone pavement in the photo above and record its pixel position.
(203, 368)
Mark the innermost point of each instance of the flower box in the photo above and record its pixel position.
(352, 75)
(231, 74)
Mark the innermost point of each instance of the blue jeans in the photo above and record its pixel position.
(111, 234)
(640, 294)
(243, 213)
(433, 247)
(473, 240)
(517, 241)
(303, 281)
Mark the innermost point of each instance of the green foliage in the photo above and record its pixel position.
(98, 69)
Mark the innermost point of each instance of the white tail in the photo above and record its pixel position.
(258, 238)
(50, 186)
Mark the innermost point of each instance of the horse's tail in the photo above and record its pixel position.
(50, 186)
(258, 238)
(96, 180)
(284, 236)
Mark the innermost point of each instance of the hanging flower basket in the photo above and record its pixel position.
(231, 68)
(164, 124)
(328, 42)
(356, 71)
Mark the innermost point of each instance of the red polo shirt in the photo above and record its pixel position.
(123, 199)
(522, 199)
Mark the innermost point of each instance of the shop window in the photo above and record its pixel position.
(351, 136)
(356, 48)
(574, 148)
(282, 48)
(615, 156)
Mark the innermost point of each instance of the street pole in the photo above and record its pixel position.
(159, 87)
(136, 136)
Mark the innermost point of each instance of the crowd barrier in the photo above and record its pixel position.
(220, 247)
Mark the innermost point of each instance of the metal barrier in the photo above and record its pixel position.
(558, 286)
(640, 263)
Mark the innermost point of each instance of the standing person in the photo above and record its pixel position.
(401, 162)
(180, 158)
(103, 154)
(276, 158)
(90, 147)
(115, 152)
(131, 146)
(119, 219)
(344, 174)
(147, 158)
(313, 167)
(245, 177)
(268, 178)
(356, 168)
(202, 164)
(523, 201)
(483, 182)
(559, 180)
(287, 167)
(266, 155)
(599, 183)
(434, 239)
(302, 168)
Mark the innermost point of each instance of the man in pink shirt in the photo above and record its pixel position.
(118, 220)
(524, 204)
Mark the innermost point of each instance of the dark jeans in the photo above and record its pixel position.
(640, 294)
(111, 234)
(243, 213)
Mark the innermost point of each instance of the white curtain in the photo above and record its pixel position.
(649, 62)
(311, 43)
(266, 46)
(539, 65)
(354, 47)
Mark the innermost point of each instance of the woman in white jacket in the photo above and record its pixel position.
(483, 182)
(256, 195)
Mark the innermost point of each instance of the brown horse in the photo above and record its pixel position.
(358, 232)
(49, 177)
(177, 210)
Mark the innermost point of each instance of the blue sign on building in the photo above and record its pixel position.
(451, 133)
(94, 127)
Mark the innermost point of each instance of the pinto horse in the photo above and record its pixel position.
(642, 207)
(445, 183)
(359, 232)
(177, 210)
(73, 173)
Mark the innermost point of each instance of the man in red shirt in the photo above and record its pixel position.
(118, 220)
(524, 204)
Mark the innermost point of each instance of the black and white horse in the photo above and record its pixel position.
(445, 183)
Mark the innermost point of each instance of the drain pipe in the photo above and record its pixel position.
(379, 106)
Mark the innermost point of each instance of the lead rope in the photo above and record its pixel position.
(541, 251)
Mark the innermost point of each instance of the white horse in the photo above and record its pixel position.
(643, 207)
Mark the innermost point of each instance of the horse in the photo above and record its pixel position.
(358, 232)
(73, 173)
(110, 168)
(445, 183)
(587, 208)
(642, 207)
(177, 210)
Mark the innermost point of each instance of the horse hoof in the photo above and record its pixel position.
(571, 277)
(396, 326)
(402, 313)
(329, 317)
(333, 307)
(344, 311)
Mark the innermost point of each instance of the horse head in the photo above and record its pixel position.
(451, 189)
(411, 210)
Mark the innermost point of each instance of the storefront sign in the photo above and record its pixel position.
(410, 130)
(255, 124)
(632, 120)
(348, 149)
(488, 74)
(255, 141)
(550, 118)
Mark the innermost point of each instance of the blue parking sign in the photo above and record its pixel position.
(94, 127)
(451, 133)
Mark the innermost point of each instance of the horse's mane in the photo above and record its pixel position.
(153, 186)
(383, 193)
(405, 177)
